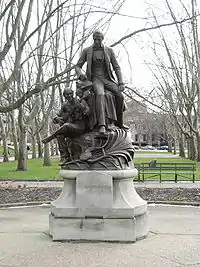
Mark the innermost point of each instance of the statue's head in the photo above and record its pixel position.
(68, 93)
(98, 38)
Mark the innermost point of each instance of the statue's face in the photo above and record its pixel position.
(68, 94)
(79, 92)
(98, 40)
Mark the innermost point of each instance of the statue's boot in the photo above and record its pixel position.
(48, 139)
(102, 130)
(120, 123)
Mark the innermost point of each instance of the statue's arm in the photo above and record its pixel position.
(116, 67)
(85, 108)
(59, 118)
(80, 63)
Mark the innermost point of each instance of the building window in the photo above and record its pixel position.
(136, 137)
(144, 137)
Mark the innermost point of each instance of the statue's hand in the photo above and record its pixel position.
(55, 120)
(86, 94)
(58, 120)
(82, 77)
(61, 122)
(121, 87)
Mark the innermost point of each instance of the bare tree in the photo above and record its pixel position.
(178, 77)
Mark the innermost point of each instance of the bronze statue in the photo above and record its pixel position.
(85, 92)
(72, 119)
(99, 60)
(92, 135)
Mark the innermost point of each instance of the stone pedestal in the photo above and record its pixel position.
(98, 206)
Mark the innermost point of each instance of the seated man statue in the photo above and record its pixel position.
(85, 92)
(100, 61)
(73, 120)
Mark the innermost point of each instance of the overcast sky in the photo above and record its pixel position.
(139, 47)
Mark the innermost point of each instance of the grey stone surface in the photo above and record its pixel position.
(91, 229)
(117, 174)
(95, 199)
(94, 190)
(174, 241)
(147, 184)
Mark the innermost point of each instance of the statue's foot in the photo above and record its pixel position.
(123, 126)
(102, 130)
(111, 127)
(46, 140)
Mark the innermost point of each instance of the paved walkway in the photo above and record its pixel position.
(174, 241)
(152, 184)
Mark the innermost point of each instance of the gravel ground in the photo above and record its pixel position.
(24, 195)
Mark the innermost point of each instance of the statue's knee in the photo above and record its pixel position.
(60, 137)
(65, 125)
(101, 95)
(98, 89)
(120, 96)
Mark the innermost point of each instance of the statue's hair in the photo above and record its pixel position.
(67, 89)
(98, 33)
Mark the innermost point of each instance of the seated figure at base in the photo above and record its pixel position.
(73, 120)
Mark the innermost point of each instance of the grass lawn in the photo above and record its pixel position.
(36, 171)
(151, 152)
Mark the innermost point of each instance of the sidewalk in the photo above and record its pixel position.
(153, 184)
(173, 241)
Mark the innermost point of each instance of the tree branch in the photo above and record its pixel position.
(151, 28)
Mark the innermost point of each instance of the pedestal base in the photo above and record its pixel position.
(98, 206)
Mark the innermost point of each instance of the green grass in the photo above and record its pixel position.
(151, 152)
(36, 170)
(169, 160)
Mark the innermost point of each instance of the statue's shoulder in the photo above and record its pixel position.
(86, 49)
(108, 49)
(65, 105)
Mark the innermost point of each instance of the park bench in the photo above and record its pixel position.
(153, 169)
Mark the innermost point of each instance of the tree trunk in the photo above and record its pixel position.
(4, 139)
(181, 146)
(198, 147)
(175, 142)
(56, 149)
(39, 143)
(52, 147)
(170, 145)
(47, 160)
(14, 135)
(191, 148)
(149, 137)
(139, 140)
(33, 146)
(22, 159)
